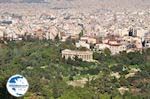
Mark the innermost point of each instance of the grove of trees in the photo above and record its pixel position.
(48, 73)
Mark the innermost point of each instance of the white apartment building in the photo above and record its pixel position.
(83, 44)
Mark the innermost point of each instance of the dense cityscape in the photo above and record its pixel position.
(76, 50)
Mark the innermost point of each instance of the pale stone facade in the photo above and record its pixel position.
(89, 40)
(83, 44)
(84, 55)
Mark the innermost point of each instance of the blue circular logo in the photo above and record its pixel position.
(17, 85)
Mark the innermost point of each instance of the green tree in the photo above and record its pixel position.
(57, 38)
(81, 34)
(107, 52)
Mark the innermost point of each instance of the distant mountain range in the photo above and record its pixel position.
(22, 1)
(90, 4)
(80, 1)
